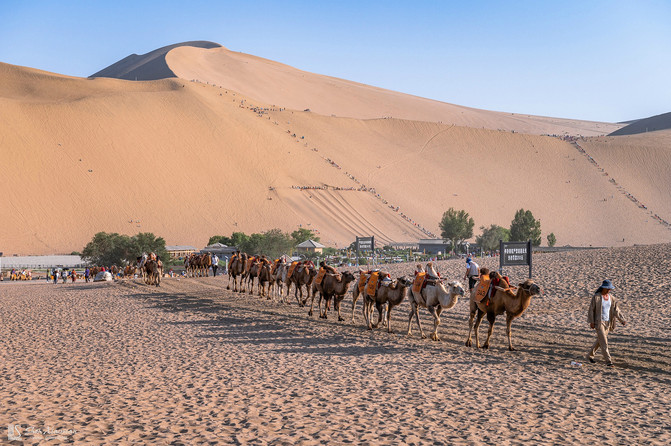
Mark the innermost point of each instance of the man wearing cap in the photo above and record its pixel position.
(603, 311)
(472, 272)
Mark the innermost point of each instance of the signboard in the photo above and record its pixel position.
(365, 243)
(515, 254)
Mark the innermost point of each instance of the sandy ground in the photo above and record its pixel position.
(190, 363)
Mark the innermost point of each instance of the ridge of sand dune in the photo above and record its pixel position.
(149, 66)
(186, 160)
(284, 86)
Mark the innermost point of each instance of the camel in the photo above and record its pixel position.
(278, 273)
(236, 268)
(265, 279)
(504, 300)
(302, 276)
(251, 273)
(436, 298)
(363, 276)
(153, 272)
(332, 287)
(392, 295)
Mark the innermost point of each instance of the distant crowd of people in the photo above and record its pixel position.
(574, 141)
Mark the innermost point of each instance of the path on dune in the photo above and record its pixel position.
(190, 363)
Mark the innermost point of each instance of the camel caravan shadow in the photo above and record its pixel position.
(241, 320)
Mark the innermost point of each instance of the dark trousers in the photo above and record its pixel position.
(472, 281)
(214, 270)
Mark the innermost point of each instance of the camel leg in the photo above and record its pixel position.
(478, 319)
(312, 302)
(355, 297)
(389, 307)
(416, 311)
(412, 313)
(336, 307)
(378, 307)
(491, 317)
(509, 324)
(471, 317)
(327, 301)
(436, 323)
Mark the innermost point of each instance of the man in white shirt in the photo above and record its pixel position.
(215, 264)
(472, 272)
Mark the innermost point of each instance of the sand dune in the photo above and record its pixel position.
(651, 124)
(147, 67)
(275, 83)
(187, 160)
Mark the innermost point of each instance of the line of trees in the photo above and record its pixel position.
(457, 226)
(272, 243)
(107, 249)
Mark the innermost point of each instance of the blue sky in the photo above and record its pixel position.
(598, 60)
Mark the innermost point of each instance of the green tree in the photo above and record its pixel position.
(228, 241)
(489, 239)
(552, 240)
(525, 227)
(456, 226)
(274, 243)
(146, 242)
(302, 234)
(108, 249)
(240, 240)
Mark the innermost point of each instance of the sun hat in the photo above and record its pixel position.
(607, 285)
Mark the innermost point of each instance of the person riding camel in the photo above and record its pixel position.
(419, 269)
(152, 256)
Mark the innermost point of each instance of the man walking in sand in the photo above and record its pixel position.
(215, 264)
(603, 310)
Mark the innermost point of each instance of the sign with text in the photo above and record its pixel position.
(365, 243)
(515, 254)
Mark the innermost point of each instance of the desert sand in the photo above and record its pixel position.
(191, 363)
(189, 159)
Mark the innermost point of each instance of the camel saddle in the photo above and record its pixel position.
(363, 278)
(320, 276)
(372, 285)
(292, 267)
(482, 288)
(419, 283)
(250, 262)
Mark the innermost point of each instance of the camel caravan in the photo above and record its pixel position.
(491, 296)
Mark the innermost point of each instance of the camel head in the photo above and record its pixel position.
(456, 288)
(404, 281)
(528, 286)
(348, 277)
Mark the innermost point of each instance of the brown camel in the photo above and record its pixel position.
(436, 298)
(392, 295)
(153, 272)
(236, 269)
(504, 300)
(333, 286)
(302, 277)
(251, 273)
(265, 279)
(356, 290)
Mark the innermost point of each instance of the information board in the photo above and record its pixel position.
(515, 254)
